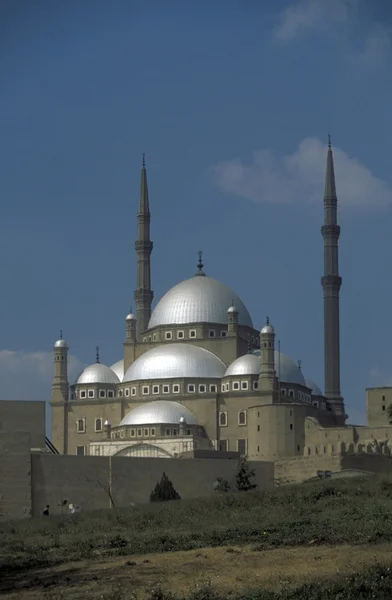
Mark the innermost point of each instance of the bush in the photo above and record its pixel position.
(164, 490)
(222, 485)
(244, 476)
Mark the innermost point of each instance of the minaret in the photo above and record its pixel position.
(268, 381)
(331, 283)
(60, 386)
(143, 294)
(130, 327)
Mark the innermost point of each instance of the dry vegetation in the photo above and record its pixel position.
(250, 546)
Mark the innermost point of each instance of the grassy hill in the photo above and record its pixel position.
(333, 537)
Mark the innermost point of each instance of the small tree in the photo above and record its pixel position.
(164, 490)
(244, 476)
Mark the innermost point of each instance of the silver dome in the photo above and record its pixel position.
(198, 300)
(249, 364)
(60, 344)
(231, 310)
(118, 368)
(161, 411)
(176, 360)
(314, 387)
(267, 329)
(97, 373)
(130, 317)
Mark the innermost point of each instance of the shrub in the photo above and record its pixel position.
(222, 485)
(244, 476)
(164, 490)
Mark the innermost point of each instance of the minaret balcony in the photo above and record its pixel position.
(330, 231)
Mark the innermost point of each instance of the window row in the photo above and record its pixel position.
(241, 418)
(181, 335)
(223, 446)
(236, 386)
(92, 394)
(295, 394)
(151, 432)
(202, 388)
(81, 425)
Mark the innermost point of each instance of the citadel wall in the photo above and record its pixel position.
(82, 480)
(15, 475)
(24, 415)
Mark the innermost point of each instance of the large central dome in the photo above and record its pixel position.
(198, 300)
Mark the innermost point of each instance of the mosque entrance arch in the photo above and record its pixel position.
(144, 451)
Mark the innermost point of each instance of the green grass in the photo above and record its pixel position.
(353, 511)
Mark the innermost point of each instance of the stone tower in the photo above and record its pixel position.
(60, 385)
(268, 381)
(143, 294)
(331, 282)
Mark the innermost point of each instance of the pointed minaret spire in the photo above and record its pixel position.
(200, 264)
(331, 282)
(143, 294)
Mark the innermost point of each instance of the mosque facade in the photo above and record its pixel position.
(195, 374)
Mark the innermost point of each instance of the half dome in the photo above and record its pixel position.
(316, 391)
(198, 300)
(174, 361)
(249, 364)
(159, 412)
(118, 368)
(97, 373)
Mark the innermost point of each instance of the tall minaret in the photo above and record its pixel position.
(331, 283)
(268, 381)
(143, 245)
(60, 386)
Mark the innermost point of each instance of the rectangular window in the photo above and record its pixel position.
(139, 433)
(174, 431)
(166, 389)
(155, 389)
(102, 393)
(146, 433)
(91, 393)
(180, 335)
(154, 337)
(133, 391)
(258, 427)
(81, 425)
(126, 391)
(244, 385)
(255, 385)
(223, 333)
(241, 447)
(191, 388)
(383, 407)
(80, 450)
(383, 398)
(82, 393)
(132, 433)
(242, 418)
(192, 333)
(202, 389)
(213, 389)
(223, 419)
(152, 432)
(176, 389)
(299, 448)
(167, 432)
(110, 394)
(98, 425)
(291, 413)
(168, 335)
(291, 425)
(146, 390)
(223, 387)
(211, 333)
(222, 445)
(236, 385)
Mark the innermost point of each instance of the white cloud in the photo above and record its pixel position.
(305, 15)
(299, 177)
(28, 375)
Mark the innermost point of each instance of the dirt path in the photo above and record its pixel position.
(229, 568)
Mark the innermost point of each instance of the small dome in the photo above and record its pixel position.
(176, 360)
(97, 373)
(159, 412)
(314, 387)
(118, 368)
(60, 344)
(249, 364)
(198, 300)
(130, 317)
(267, 329)
(232, 309)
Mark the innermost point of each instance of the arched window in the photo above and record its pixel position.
(223, 419)
(242, 418)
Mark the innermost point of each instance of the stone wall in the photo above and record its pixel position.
(82, 480)
(15, 475)
(23, 415)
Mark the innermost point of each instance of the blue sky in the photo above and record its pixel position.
(232, 105)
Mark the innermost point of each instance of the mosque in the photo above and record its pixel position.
(196, 375)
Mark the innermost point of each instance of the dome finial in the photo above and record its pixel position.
(97, 354)
(144, 160)
(267, 321)
(61, 334)
(329, 142)
(200, 264)
(299, 363)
